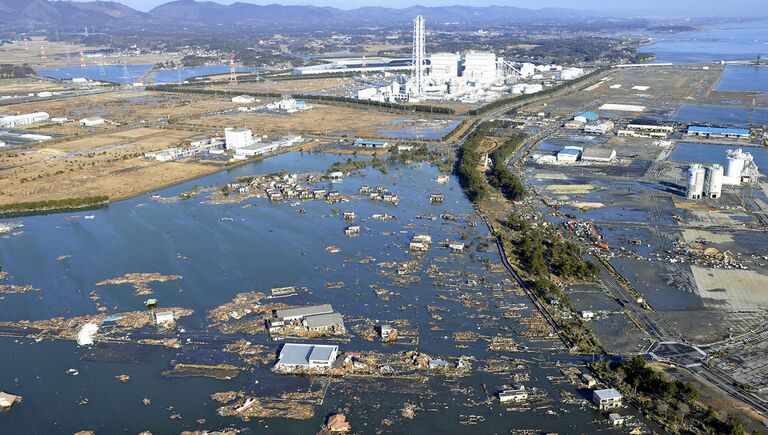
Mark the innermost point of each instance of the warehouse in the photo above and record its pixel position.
(302, 312)
(601, 128)
(600, 155)
(92, 121)
(325, 322)
(650, 125)
(26, 119)
(622, 107)
(364, 143)
(569, 154)
(733, 133)
(306, 356)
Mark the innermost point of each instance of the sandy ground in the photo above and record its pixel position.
(106, 164)
(327, 85)
(123, 106)
(739, 290)
(321, 119)
(26, 85)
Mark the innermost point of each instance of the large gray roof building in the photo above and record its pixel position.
(324, 321)
(298, 355)
(301, 312)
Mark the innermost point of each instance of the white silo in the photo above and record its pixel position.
(713, 184)
(736, 160)
(695, 188)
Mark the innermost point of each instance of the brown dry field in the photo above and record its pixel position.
(124, 106)
(27, 85)
(290, 86)
(321, 119)
(106, 164)
(56, 54)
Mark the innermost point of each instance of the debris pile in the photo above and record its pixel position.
(139, 281)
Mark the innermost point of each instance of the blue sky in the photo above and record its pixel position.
(634, 7)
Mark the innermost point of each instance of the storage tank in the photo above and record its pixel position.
(736, 160)
(713, 186)
(695, 188)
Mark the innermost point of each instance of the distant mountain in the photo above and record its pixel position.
(210, 13)
(190, 13)
(66, 13)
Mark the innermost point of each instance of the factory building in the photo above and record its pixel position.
(646, 128)
(235, 138)
(696, 181)
(599, 128)
(718, 132)
(25, 119)
(586, 117)
(444, 67)
(598, 155)
(480, 66)
(569, 154)
(713, 181)
(740, 168)
(306, 356)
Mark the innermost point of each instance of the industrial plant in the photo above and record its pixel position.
(708, 182)
(468, 77)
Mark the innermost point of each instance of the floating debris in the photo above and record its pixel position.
(139, 281)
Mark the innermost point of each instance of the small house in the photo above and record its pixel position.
(607, 399)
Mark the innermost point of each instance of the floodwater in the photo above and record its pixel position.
(744, 78)
(735, 41)
(721, 115)
(406, 128)
(688, 152)
(110, 73)
(221, 250)
(181, 74)
(117, 73)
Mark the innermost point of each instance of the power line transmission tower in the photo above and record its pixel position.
(232, 71)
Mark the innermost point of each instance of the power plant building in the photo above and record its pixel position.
(480, 66)
(444, 67)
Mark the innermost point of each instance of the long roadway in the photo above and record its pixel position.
(651, 327)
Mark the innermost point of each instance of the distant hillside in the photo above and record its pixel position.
(66, 13)
(206, 13)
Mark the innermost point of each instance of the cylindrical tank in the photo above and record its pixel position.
(736, 160)
(714, 181)
(695, 189)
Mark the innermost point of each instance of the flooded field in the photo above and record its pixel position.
(721, 115)
(690, 152)
(744, 78)
(406, 128)
(198, 255)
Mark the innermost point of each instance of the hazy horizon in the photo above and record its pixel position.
(651, 8)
